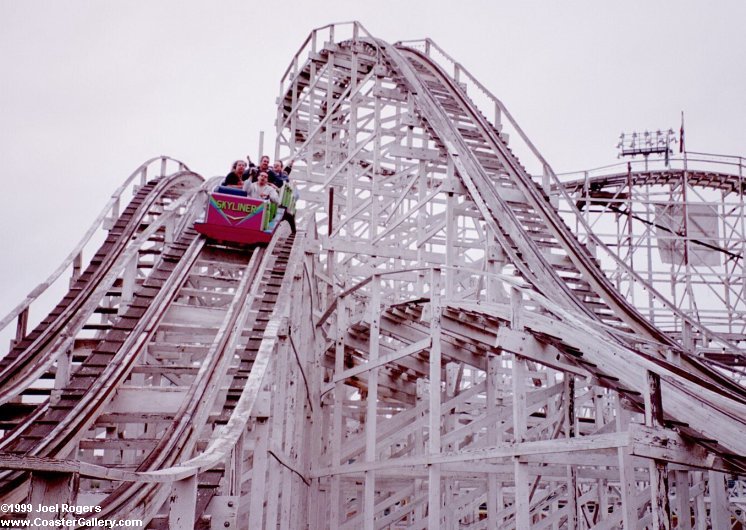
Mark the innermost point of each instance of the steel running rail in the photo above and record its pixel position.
(612, 350)
(267, 276)
(183, 433)
(263, 317)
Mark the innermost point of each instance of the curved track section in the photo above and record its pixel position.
(686, 222)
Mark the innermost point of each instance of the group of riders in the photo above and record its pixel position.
(261, 181)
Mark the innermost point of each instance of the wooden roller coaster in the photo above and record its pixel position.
(456, 337)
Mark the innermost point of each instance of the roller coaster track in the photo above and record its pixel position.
(708, 253)
(533, 220)
(212, 287)
(726, 182)
(428, 116)
(436, 348)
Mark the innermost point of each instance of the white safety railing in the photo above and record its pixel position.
(691, 161)
(319, 38)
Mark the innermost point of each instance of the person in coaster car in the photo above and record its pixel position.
(235, 179)
(279, 175)
(262, 189)
(254, 170)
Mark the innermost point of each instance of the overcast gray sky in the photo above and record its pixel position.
(91, 89)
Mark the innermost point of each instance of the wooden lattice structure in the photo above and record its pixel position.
(455, 338)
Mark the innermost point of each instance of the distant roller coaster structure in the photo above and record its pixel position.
(455, 338)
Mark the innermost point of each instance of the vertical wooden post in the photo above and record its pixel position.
(62, 375)
(451, 248)
(339, 396)
(77, 267)
(493, 487)
(376, 187)
(259, 474)
(626, 472)
(660, 505)
(49, 489)
(129, 283)
(520, 427)
(236, 466)
(110, 221)
(682, 500)
(546, 180)
(313, 442)
(422, 394)
(434, 472)
(21, 327)
(700, 508)
(169, 230)
(719, 513)
(182, 504)
(572, 472)
(516, 303)
(371, 422)
(277, 425)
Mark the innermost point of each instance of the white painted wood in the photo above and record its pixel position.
(362, 432)
(719, 512)
(259, 475)
(682, 500)
(434, 517)
(700, 509)
(47, 493)
(181, 504)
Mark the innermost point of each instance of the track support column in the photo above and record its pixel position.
(434, 472)
(50, 489)
(658, 469)
(182, 504)
(371, 415)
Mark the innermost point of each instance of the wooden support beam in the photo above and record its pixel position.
(49, 491)
(259, 475)
(522, 491)
(21, 327)
(683, 511)
(495, 502)
(719, 512)
(660, 505)
(627, 483)
(337, 433)
(181, 514)
(371, 414)
(434, 518)
(570, 432)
